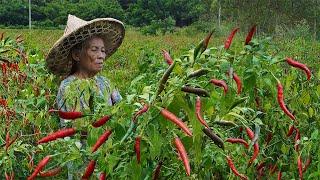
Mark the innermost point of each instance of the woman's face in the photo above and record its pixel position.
(92, 56)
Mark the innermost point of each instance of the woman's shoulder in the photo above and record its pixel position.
(103, 80)
(67, 81)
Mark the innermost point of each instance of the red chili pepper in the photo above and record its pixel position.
(51, 172)
(279, 175)
(68, 115)
(58, 134)
(202, 46)
(4, 69)
(237, 79)
(220, 83)
(198, 112)
(39, 167)
(3, 103)
(281, 101)
(298, 65)
(167, 57)
(300, 167)
(238, 140)
(101, 121)
(250, 133)
(141, 111)
(101, 140)
(170, 116)
(137, 148)
(296, 139)
(229, 40)
(89, 170)
(156, 173)
(234, 170)
(103, 176)
(183, 154)
(250, 34)
(291, 129)
(7, 176)
(306, 165)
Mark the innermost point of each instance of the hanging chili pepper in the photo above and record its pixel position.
(4, 69)
(101, 121)
(198, 112)
(290, 131)
(198, 73)
(250, 34)
(250, 133)
(237, 79)
(229, 40)
(89, 170)
(197, 91)
(171, 117)
(216, 139)
(299, 65)
(238, 140)
(164, 79)
(140, 112)
(167, 57)
(39, 167)
(12, 141)
(103, 176)
(300, 167)
(101, 140)
(51, 172)
(137, 148)
(279, 175)
(202, 46)
(281, 101)
(183, 154)
(58, 134)
(220, 83)
(234, 170)
(68, 115)
(156, 172)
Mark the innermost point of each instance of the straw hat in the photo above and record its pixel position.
(59, 61)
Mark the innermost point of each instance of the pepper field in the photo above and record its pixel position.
(229, 121)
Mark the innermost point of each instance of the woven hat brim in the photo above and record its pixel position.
(58, 61)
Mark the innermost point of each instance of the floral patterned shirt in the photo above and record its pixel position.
(71, 90)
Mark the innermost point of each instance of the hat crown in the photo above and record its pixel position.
(73, 23)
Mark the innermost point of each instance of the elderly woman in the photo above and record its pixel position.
(78, 57)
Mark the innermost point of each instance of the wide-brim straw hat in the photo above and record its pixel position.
(59, 60)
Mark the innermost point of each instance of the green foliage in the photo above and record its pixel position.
(137, 67)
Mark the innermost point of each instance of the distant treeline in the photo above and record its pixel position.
(267, 13)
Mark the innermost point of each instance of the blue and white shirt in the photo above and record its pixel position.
(73, 93)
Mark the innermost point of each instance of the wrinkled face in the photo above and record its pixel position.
(92, 56)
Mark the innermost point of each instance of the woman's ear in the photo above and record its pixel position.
(75, 55)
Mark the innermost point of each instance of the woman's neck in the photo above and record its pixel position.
(84, 75)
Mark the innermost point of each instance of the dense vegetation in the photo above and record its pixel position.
(28, 92)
